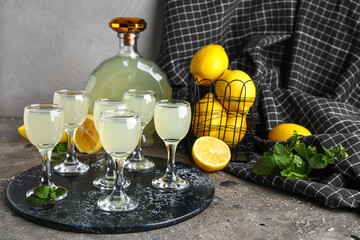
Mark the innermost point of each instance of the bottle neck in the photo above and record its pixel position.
(128, 44)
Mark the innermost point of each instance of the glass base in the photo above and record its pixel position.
(102, 183)
(67, 169)
(177, 185)
(31, 191)
(115, 204)
(134, 165)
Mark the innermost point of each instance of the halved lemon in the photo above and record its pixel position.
(22, 132)
(211, 154)
(87, 139)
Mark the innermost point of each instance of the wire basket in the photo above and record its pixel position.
(225, 110)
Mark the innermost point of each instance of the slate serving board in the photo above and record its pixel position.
(78, 211)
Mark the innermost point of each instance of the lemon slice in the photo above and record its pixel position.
(211, 154)
(87, 138)
(22, 132)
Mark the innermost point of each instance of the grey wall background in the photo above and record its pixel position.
(47, 45)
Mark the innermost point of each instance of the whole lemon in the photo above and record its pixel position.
(209, 62)
(236, 91)
(284, 131)
(209, 117)
(235, 129)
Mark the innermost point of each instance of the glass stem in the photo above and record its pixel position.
(118, 190)
(137, 153)
(46, 168)
(110, 169)
(138, 147)
(170, 174)
(70, 155)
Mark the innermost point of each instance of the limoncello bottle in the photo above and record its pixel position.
(128, 70)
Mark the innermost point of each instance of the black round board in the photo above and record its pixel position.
(78, 212)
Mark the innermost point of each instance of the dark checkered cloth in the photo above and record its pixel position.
(308, 55)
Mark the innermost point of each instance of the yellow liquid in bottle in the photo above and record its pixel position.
(118, 74)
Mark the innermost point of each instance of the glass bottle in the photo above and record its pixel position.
(128, 70)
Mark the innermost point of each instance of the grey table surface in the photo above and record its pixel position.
(240, 209)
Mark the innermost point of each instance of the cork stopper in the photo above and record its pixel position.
(127, 25)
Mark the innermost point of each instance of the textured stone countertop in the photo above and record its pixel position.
(240, 209)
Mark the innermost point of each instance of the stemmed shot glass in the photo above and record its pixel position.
(119, 134)
(172, 121)
(142, 102)
(76, 105)
(44, 127)
(107, 182)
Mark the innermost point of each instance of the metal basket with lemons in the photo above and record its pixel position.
(223, 110)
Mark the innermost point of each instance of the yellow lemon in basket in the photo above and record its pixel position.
(22, 132)
(284, 131)
(235, 129)
(210, 154)
(209, 62)
(236, 91)
(209, 117)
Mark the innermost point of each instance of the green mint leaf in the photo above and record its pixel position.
(294, 137)
(331, 160)
(327, 151)
(52, 195)
(60, 191)
(334, 150)
(60, 147)
(282, 161)
(291, 139)
(297, 160)
(317, 162)
(341, 148)
(292, 146)
(280, 149)
(42, 192)
(295, 175)
(298, 135)
(302, 169)
(302, 151)
(343, 154)
(60, 156)
(312, 151)
(286, 173)
(282, 156)
(265, 166)
(268, 154)
(34, 201)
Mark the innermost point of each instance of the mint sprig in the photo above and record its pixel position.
(43, 195)
(60, 147)
(296, 160)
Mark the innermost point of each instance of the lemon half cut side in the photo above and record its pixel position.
(211, 154)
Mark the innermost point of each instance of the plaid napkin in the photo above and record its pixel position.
(307, 54)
